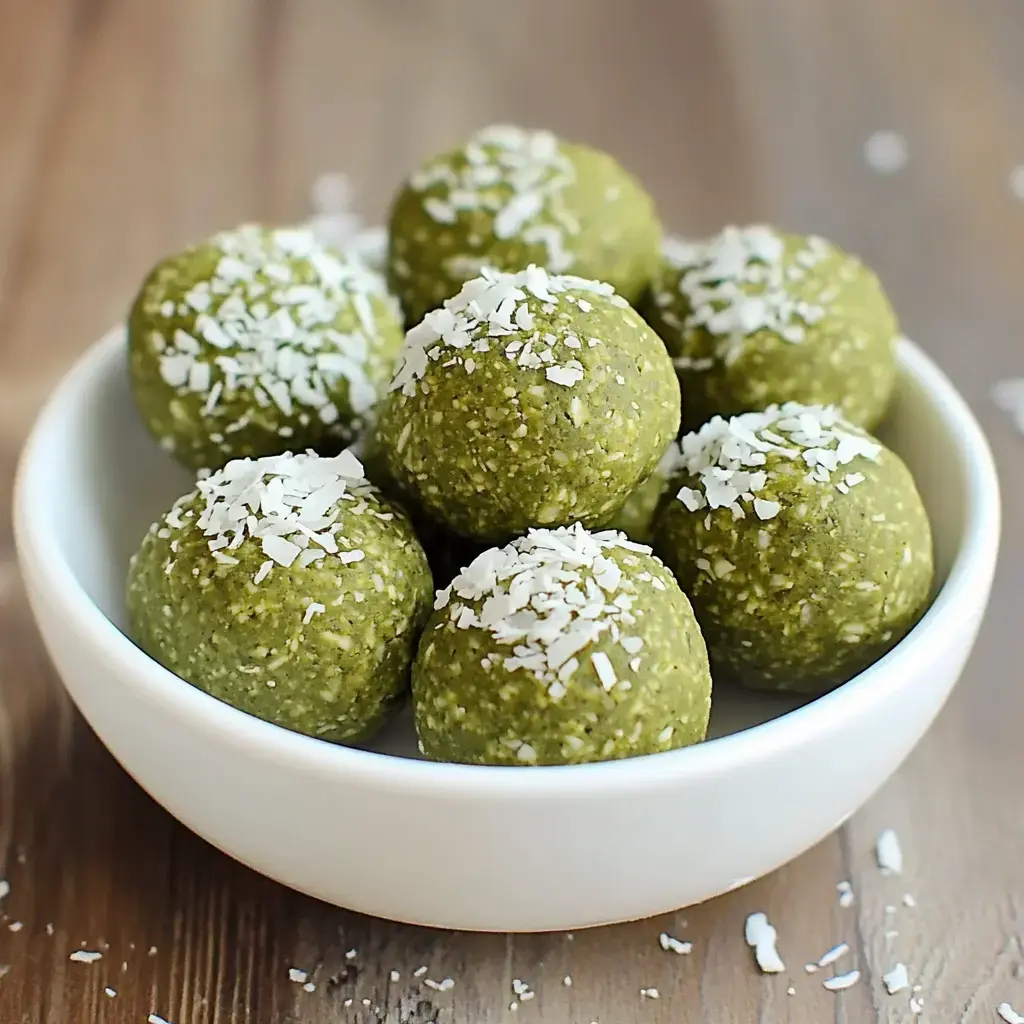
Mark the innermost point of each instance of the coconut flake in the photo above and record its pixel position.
(896, 980)
(288, 504)
(1009, 1014)
(548, 597)
(886, 152)
(888, 853)
(846, 896)
(671, 944)
(761, 937)
(841, 981)
(527, 167)
(834, 954)
(739, 283)
(85, 956)
(494, 306)
(725, 458)
(294, 356)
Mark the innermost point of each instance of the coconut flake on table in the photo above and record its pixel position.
(896, 980)
(5, 888)
(846, 895)
(85, 956)
(287, 503)
(841, 981)
(1009, 1014)
(761, 937)
(550, 595)
(888, 853)
(727, 456)
(487, 310)
(517, 176)
(671, 944)
(736, 284)
(834, 954)
(291, 357)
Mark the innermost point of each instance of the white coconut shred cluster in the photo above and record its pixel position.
(516, 176)
(288, 504)
(259, 329)
(728, 456)
(494, 310)
(550, 595)
(740, 282)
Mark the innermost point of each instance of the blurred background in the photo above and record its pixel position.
(129, 128)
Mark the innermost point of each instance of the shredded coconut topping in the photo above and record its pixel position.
(549, 595)
(740, 282)
(263, 324)
(1009, 1014)
(761, 937)
(491, 307)
(515, 175)
(728, 456)
(288, 503)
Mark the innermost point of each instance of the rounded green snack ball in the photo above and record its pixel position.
(754, 317)
(257, 341)
(511, 197)
(288, 588)
(562, 647)
(528, 400)
(802, 543)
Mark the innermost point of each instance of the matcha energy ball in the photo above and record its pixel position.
(511, 197)
(528, 400)
(754, 317)
(565, 646)
(288, 588)
(256, 341)
(802, 543)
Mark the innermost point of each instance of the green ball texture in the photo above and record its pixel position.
(528, 400)
(510, 197)
(257, 341)
(802, 543)
(563, 647)
(288, 588)
(754, 317)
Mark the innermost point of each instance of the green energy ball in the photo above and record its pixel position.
(256, 341)
(754, 317)
(511, 197)
(636, 517)
(288, 588)
(528, 400)
(563, 647)
(802, 543)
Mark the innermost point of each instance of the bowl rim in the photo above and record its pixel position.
(969, 574)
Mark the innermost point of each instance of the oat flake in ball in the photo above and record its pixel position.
(511, 197)
(562, 647)
(528, 400)
(288, 588)
(257, 341)
(802, 543)
(754, 317)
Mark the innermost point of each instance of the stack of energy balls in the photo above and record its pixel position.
(470, 505)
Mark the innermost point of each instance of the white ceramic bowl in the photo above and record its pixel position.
(516, 849)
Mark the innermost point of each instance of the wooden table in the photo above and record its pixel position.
(129, 127)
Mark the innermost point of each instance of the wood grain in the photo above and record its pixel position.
(128, 128)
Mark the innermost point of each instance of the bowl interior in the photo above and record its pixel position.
(106, 481)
